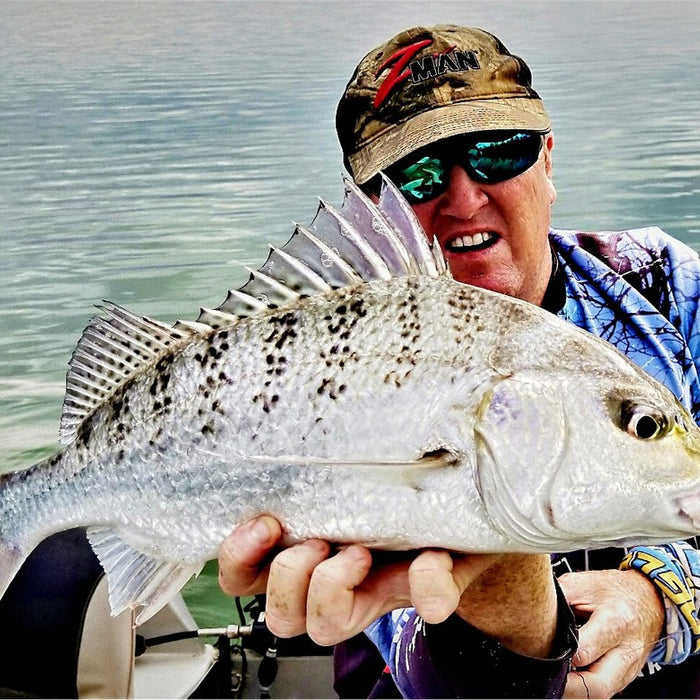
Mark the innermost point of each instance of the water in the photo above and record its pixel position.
(150, 150)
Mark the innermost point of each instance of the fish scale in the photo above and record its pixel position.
(356, 392)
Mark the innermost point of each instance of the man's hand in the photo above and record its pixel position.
(625, 618)
(334, 595)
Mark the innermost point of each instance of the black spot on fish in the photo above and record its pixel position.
(336, 328)
(84, 432)
(287, 334)
(357, 307)
(164, 363)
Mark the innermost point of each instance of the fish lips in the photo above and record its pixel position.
(689, 509)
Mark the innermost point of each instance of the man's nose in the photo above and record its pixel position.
(463, 196)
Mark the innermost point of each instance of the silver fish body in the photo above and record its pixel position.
(379, 401)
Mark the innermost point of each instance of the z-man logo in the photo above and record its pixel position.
(421, 69)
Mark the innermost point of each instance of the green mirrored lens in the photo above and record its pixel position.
(420, 180)
(495, 161)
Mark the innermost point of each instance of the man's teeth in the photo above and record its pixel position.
(471, 241)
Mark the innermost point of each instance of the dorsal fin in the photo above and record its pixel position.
(109, 352)
(362, 241)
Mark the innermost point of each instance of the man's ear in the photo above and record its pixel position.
(548, 167)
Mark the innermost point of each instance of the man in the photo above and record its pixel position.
(451, 117)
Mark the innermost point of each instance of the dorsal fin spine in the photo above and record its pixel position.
(312, 277)
(273, 284)
(248, 299)
(379, 269)
(331, 255)
(382, 226)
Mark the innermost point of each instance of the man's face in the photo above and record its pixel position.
(495, 236)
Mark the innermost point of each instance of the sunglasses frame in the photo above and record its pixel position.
(444, 151)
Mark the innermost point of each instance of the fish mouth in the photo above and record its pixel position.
(689, 510)
(468, 242)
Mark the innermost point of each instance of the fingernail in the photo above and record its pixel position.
(355, 552)
(319, 546)
(260, 529)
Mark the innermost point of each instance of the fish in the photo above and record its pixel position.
(354, 390)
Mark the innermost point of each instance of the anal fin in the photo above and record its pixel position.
(135, 579)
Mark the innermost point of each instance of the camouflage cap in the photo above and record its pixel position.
(429, 83)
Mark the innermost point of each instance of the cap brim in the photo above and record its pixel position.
(399, 140)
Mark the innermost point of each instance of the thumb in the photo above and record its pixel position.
(437, 581)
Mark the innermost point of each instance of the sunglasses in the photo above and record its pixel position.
(487, 157)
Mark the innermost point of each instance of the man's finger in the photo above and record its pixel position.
(598, 636)
(334, 610)
(577, 685)
(242, 566)
(434, 593)
(607, 676)
(288, 586)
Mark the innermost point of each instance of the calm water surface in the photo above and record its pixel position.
(150, 150)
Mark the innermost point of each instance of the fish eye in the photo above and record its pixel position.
(643, 422)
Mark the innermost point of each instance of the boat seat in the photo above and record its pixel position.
(60, 639)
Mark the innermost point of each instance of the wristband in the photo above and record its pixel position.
(665, 570)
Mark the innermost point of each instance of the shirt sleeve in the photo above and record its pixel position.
(675, 570)
(454, 659)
